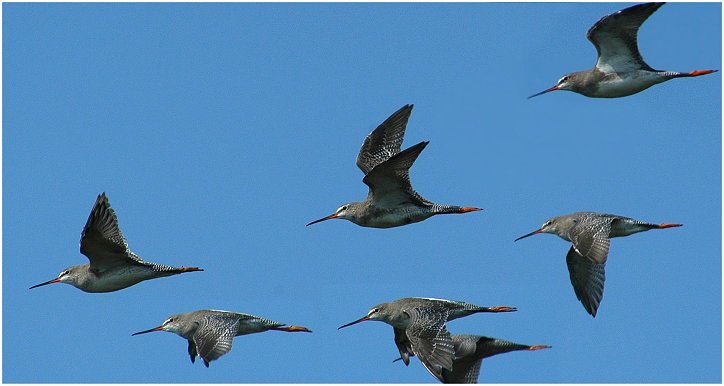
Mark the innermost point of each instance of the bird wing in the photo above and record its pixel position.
(590, 237)
(389, 182)
(615, 38)
(430, 340)
(384, 141)
(214, 335)
(587, 277)
(192, 351)
(403, 346)
(102, 241)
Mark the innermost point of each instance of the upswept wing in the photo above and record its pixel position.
(389, 182)
(102, 241)
(615, 37)
(385, 141)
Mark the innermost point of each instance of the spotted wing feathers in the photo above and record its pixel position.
(615, 38)
(385, 141)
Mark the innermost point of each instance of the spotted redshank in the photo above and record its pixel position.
(419, 325)
(391, 200)
(210, 332)
(590, 234)
(112, 265)
(620, 70)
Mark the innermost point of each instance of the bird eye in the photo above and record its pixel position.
(374, 311)
(565, 78)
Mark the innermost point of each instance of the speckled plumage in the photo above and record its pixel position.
(590, 234)
(391, 200)
(210, 332)
(112, 264)
(420, 329)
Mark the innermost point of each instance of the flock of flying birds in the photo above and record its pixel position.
(419, 323)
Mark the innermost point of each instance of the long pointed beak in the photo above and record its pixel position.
(529, 234)
(159, 328)
(362, 319)
(56, 280)
(554, 88)
(331, 216)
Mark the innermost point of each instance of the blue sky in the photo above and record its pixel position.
(219, 130)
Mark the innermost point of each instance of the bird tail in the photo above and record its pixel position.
(292, 329)
(674, 74)
(452, 209)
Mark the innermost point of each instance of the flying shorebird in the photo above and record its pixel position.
(470, 350)
(419, 326)
(112, 265)
(590, 234)
(210, 332)
(620, 70)
(391, 200)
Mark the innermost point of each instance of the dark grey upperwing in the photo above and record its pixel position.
(385, 141)
(615, 37)
(587, 278)
(214, 335)
(389, 182)
(430, 340)
(102, 241)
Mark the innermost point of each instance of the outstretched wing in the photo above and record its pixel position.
(102, 241)
(385, 141)
(615, 37)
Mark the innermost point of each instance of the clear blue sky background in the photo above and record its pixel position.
(219, 130)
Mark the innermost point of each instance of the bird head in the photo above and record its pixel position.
(70, 275)
(550, 226)
(345, 211)
(173, 324)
